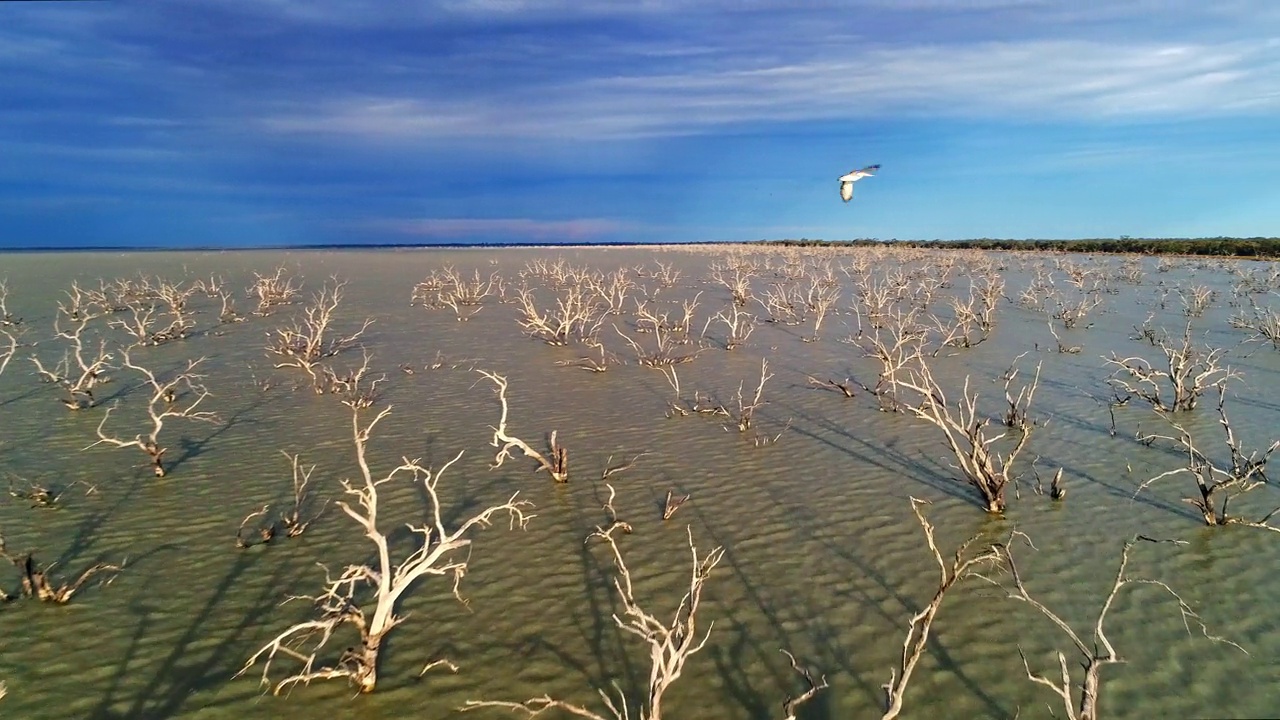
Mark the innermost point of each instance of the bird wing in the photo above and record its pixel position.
(846, 190)
(870, 169)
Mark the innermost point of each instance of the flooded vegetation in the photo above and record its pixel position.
(721, 482)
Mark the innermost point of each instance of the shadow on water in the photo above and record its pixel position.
(611, 668)
(822, 636)
(192, 664)
(881, 455)
(731, 662)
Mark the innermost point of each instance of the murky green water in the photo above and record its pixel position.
(823, 555)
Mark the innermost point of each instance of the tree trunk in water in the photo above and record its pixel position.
(367, 675)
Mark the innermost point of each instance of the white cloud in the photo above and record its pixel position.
(1053, 79)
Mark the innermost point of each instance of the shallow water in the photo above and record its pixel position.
(823, 556)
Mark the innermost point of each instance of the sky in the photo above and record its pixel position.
(240, 123)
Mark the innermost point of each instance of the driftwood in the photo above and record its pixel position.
(846, 388)
(258, 533)
(45, 496)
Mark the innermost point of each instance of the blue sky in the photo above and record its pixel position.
(252, 122)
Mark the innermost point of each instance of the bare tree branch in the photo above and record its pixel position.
(961, 566)
(381, 584)
(557, 465)
(178, 397)
(1100, 652)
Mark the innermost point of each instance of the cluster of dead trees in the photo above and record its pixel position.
(900, 321)
(103, 331)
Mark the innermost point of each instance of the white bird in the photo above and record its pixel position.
(847, 181)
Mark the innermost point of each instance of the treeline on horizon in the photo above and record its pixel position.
(1258, 247)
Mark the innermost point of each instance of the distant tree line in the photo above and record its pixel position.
(1258, 247)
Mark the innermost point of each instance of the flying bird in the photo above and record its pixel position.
(847, 181)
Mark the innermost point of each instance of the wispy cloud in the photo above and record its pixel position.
(710, 115)
(1033, 79)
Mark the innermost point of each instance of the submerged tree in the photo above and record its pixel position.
(177, 397)
(671, 644)
(363, 598)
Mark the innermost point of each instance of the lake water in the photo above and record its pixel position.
(823, 555)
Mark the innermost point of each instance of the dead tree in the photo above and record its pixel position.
(735, 275)
(1063, 348)
(961, 567)
(823, 293)
(792, 704)
(676, 407)
(6, 318)
(665, 353)
(272, 291)
(1195, 300)
(178, 397)
(672, 504)
(896, 341)
(1070, 311)
(1017, 411)
(1218, 484)
(1263, 321)
(149, 306)
(8, 346)
(469, 292)
(1056, 491)
(307, 345)
(743, 418)
(81, 369)
(590, 363)
(785, 304)
(666, 275)
(611, 290)
(739, 324)
(1100, 652)
(967, 434)
(44, 496)
(11, 329)
(357, 386)
(259, 533)
(1187, 373)
(671, 332)
(671, 644)
(344, 600)
(576, 317)
(556, 465)
(878, 295)
(296, 520)
(36, 583)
